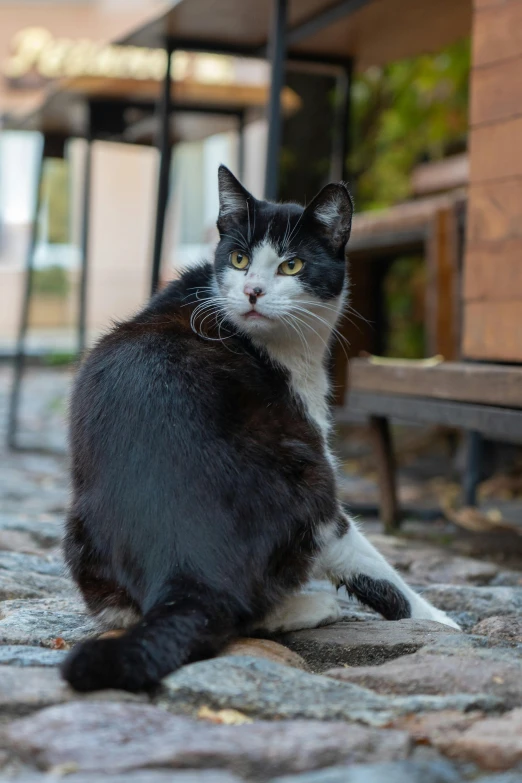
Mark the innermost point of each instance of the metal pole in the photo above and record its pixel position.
(84, 248)
(165, 108)
(20, 356)
(277, 49)
(241, 145)
(473, 462)
(341, 137)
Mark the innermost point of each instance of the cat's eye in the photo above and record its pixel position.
(239, 260)
(291, 267)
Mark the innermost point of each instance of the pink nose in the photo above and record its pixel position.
(253, 292)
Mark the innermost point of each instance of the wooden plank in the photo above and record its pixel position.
(498, 423)
(496, 151)
(497, 33)
(493, 271)
(493, 331)
(442, 285)
(487, 384)
(479, 4)
(441, 175)
(494, 211)
(496, 91)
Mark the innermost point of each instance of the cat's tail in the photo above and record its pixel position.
(190, 624)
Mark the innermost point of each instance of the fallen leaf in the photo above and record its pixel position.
(226, 717)
(59, 644)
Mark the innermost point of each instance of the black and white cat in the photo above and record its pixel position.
(204, 489)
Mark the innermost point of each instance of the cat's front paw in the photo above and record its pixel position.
(425, 611)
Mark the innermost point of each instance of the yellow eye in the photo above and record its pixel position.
(239, 260)
(291, 267)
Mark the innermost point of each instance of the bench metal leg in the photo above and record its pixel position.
(472, 472)
(386, 472)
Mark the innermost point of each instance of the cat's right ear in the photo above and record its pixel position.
(235, 202)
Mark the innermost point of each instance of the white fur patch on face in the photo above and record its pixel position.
(280, 292)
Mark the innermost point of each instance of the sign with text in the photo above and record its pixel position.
(38, 56)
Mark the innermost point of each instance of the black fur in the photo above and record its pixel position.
(380, 595)
(199, 485)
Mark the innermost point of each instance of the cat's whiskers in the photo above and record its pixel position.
(332, 330)
(210, 307)
(288, 320)
(311, 328)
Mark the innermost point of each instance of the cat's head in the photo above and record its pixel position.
(281, 266)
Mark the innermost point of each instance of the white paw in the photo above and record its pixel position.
(303, 611)
(426, 611)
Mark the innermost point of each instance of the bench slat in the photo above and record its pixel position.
(497, 423)
(486, 384)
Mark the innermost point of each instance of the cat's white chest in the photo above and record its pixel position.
(309, 384)
(311, 387)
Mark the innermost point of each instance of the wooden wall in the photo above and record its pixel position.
(493, 264)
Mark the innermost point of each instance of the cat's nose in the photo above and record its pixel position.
(253, 292)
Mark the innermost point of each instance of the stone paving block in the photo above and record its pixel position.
(508, 628)
(140, 776)
(50, 565)
(31, 585)
(475, 602)
(492, 743)
(424, 564)
(45, 531)
(267, 690)
(428, 673)
(20, 655)
(393, 772)
(265, 648)
(363, 643)
(24, 690)
(40, 623)
(119, 737)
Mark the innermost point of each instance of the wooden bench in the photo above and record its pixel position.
(482, 399)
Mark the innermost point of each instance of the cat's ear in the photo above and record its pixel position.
(235, 202)
(331, 212)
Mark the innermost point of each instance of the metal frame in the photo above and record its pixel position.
(164, 149)
(341, 125)
(84, 247)
(277, 58)
(278, 41)
(20, 355)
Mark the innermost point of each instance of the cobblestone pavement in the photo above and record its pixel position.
(362, 701)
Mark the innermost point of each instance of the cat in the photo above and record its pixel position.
(204, 488)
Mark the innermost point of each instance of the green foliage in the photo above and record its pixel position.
(404, 113)
(404, 289)
(55, 192)
(51, 280)
(59, 359)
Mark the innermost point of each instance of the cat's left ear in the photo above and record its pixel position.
(331, 212)
(236, 204)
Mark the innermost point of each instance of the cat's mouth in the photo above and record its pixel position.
(254, 315)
